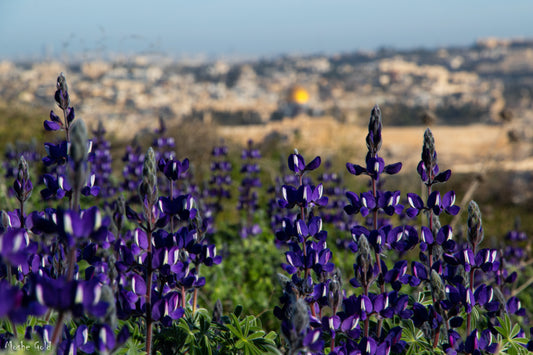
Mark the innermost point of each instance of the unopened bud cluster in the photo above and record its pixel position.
(475, 224)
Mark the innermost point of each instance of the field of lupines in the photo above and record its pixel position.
(144, 263)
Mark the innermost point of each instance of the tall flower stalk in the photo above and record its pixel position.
(374, 201)
(148, 195)
(22, 187)
(475, 237)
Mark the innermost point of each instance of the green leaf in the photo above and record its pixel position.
(239, 344)
(256, 335)
(523, 341)
(236, 331)
(515, 331)
(271, 335)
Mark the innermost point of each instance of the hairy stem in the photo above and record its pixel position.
(194, 300)
(57, 329)
(436, 338)
(183, 297)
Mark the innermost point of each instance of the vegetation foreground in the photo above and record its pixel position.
(95, 263)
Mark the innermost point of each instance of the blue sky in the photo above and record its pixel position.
(251, 27)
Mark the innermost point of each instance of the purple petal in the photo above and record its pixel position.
(434, 199)
(296, 163)
(315, 163)
(54, 117)
(427, 235)
(453, 210)
(138, 285)
(444, 176)
(421, 168)
(393, 168)
(415, 201)
(70, 114)
(51, 126)
(355, 169)
(302, 229)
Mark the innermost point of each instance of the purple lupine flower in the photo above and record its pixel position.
(55, 122)
(298, 166)
(484, 296)
(57, 153)
(167, 309)
(443, 238)
(75, 296)
(402, 238)
(173, 169)
(305, 196)
(514, 306)
(90, 189)
(375, 166)
(434, 203)
(182, 207)
(355, 204)
(13, 246)
(428, 168)
(248, 198)
(101, 163)
(132, 172)
(22, 184)
(62, 96)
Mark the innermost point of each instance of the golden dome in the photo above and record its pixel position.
(298, 95)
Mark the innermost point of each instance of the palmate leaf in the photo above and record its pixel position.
(235, 326)
(418, 343)
(510, 343)
(249, 337)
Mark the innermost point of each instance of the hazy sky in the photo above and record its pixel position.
(252, 27)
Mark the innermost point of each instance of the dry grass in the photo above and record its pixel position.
(462, 148)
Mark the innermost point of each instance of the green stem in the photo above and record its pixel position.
(378, 258)
(194, 300)
(57, 329)
(471, 286)
(436, 338)
(149, 295)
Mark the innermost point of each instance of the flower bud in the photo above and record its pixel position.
(78, 141)
(335, 290)
(475, 224)
(217, 312)
(300, 316)
(78, 154)
(429, 157)
(148, 186)
(61, 95)
(437, 287)
(436, 224)
(23, 169)
(5, 222)
(373, 139)
(364, 258)
(22, 185)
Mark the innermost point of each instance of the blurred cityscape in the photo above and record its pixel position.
(450, 86)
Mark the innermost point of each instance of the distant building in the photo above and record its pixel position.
(295, 103)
